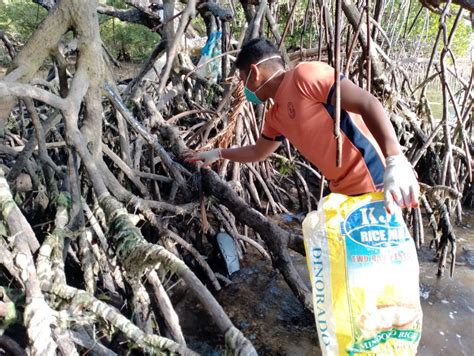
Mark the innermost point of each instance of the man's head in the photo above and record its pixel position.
(258, 62)
(254, 51)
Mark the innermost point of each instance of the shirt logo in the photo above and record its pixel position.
(291, 110)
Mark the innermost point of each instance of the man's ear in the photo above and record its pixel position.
(253, 69)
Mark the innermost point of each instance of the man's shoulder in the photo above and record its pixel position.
(302, 66)
(312, 70)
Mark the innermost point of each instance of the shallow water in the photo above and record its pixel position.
(260, 303)
(448, 304)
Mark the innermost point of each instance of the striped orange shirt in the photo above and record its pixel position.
(302, 113)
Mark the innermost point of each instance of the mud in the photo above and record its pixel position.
(262, 306)
(260, 303)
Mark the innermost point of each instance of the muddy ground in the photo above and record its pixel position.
(260, 303)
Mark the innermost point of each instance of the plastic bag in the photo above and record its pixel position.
(364, 275)
(211, 69)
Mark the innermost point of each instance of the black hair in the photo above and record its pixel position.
(256, 50)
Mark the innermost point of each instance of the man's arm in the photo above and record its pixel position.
(252, 153)
(359, 101)
(262, 149)
(400, 184)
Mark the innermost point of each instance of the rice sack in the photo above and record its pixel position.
(364, 274)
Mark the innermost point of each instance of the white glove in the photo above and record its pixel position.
(400, 184)
(206, 157)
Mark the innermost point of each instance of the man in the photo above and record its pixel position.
(304, 101)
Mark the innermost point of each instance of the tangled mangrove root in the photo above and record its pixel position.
(101, 217)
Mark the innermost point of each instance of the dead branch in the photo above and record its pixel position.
(38, 316)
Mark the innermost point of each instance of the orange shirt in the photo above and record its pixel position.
(303, 114)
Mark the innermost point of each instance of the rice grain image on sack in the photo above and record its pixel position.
(364, 276)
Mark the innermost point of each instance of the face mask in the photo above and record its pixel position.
(250, 95)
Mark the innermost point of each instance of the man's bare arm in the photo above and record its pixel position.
(359, 101)
(400, 184)
(252, 153)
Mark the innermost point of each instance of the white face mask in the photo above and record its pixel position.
(250, 95)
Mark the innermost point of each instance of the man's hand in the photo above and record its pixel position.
(400, 184)
(206, 157)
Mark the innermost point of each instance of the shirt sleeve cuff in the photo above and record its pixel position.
(279, 138)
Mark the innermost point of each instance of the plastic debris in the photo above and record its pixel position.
(208, 68)
(228, 251)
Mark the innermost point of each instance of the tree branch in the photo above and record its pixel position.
(29, 91)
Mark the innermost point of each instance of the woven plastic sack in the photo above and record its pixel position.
(364, 275)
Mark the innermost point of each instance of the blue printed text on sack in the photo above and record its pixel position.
(370, 225)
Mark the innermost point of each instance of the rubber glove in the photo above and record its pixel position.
(400, 184)
(206, 157)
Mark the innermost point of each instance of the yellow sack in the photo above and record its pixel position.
(364, 272)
